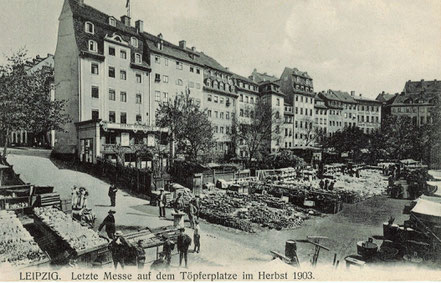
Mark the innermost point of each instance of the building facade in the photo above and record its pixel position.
(321, 116)
(369, 114)
(416, 101)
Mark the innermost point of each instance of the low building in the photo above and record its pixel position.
(342, 109)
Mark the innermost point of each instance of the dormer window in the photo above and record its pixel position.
(93, 46)
(138, 58)
(89, 28)
(134, 42)
(112, 21)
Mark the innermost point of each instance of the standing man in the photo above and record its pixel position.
(197, 204)
(167, 249)
(119, 248)
(179, 203)
(191, 214)
(140, 254)
(162, 201)
(109, 222)
(197, 237)
(112, 194)
(184, 242)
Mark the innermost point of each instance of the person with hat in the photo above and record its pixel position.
(184, 242)
(119, 247)
(109, 222)
(112, 194)
(167, 249)
(162, 202)
(179, 203)
(197, 237)
(140, 254)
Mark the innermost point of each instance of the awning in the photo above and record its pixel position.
(427, 210)
(436, 174)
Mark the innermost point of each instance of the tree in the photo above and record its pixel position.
(400, 137)
(189, 126)
(309, 130)
(256, 131)
(350, 139)
(25, 103)
(284, 159)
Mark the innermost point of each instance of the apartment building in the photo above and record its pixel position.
(417, 100)
(299, 90)
(102, 71)
(369, 114)
(288, 127)
(321, 115)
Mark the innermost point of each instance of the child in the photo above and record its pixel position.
(197, 237)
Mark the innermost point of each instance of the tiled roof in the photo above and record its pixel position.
(358, 98)
(242, 78)
(338, 95)
(296, 72)
(260, 77)
(212, 63)
(422, 91)
(385, 97)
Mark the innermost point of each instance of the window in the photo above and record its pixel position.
(123, 54)
(112, 94)
(221, 100)
(89, 27)
(139, 98)
(215, 114)
(215, 129)
(111, 51)
(191, 84)
(241, 113)
(179, 65)
(278, 102)
(221, 130)
(166, 61)
(134, 41)
(95, 92)
(122, 75)
(157, 96)
(198, 71)
(209, 97)
(93, 46)
(198, 86)
(252, 100)
(111, 72)
(157, 60)
(246, 99)
(241, 98)
(179, 82)
(138, 78)
(221, 115)
(94, 68)
(215, 99)
(165, 96)
(95, 114)
(165, 79)
(123, 96)
(138, 118)
(112, 116)
(209, 113)
(123, 118)
(191, 69)
(158, 78)
(138, 58)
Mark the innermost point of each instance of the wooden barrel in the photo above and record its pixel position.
(291, 249)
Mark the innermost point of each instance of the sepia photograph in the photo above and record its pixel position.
(228, 140)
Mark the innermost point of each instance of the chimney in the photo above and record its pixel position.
(193, 48)
(352, 92)
(182, 44)
(139, 26)
(361, 95)
(126, 20)
(160, 35)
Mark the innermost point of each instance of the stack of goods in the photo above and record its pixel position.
(72, 232)
(250, 212)
(17, 247)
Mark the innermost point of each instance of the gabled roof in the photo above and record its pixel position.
(212, 63)
(242, 78)
(338, 95)
(385, 97)
(295, 71)
(260, 77)
(419, 91)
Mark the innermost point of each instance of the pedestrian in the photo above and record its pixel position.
(75, 196)
(326, 184)
(167, 249)
(331, 186)
(321, 184)
(162, 201)
(357, 173)
(197, 237)
(109, 222)
(112, 194)
(197, 204)
(119, 248)
(184, 242)
(140, 254)
(179, 203)
(191, 214)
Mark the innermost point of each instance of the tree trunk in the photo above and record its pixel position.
(5, 147)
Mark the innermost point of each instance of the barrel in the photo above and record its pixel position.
(291, 249)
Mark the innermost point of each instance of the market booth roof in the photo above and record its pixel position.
(428, 210)
(437, 185)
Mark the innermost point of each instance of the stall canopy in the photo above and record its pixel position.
(428, 210)
(436, 191)
(436, 174)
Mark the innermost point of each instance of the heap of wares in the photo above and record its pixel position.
(17, 247)
(77, 236)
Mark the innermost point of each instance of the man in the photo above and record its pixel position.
(119, 247)
(197, 204)
(191, 214)
(140, 254)
(197, 237)
(112, 194)
(162, 202)
(184, 242)
(179, 203)
(167, 249)
(109, 222)
(331, 186)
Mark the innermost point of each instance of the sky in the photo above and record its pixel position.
(361, 45)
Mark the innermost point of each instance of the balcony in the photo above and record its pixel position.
(131, 127)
